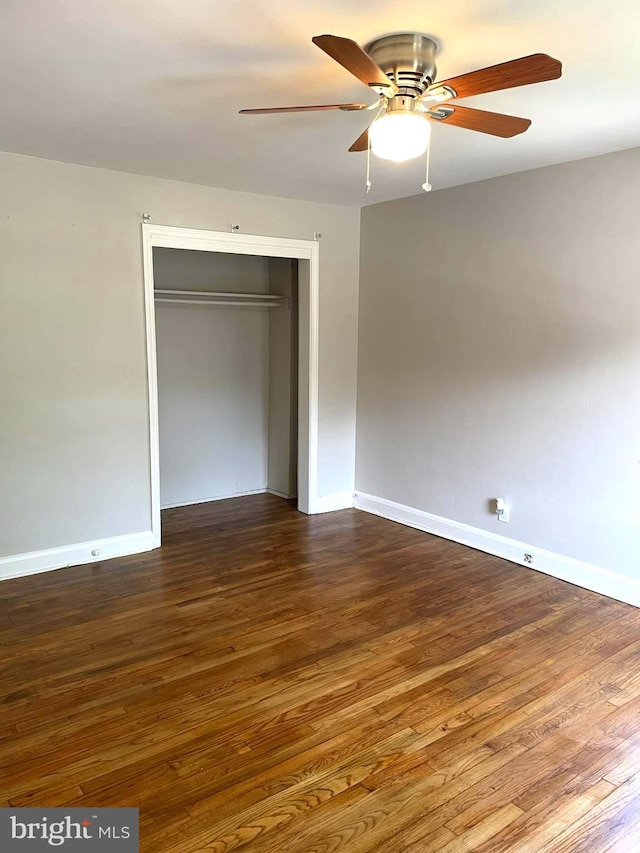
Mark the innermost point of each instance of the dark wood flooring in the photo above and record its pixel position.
(269, 681)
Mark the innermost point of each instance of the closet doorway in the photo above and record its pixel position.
(232, 336)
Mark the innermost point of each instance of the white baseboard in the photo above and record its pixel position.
(327, 503)
(331, 503)
(215, 498)
(564, 568)
(281, 494)
(35, 562)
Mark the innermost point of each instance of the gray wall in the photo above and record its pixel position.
(213, 378)
(74, 463)
(499, 355)
(186, 269)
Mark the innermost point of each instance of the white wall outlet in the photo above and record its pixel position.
(502, 510)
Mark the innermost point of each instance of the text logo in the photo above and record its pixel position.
(77, 829)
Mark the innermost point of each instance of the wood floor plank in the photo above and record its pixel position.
(270, 681)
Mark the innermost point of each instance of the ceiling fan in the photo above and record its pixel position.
(401, 69)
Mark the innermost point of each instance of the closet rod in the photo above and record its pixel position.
(263, 297)
(211, 297)
(213, 302)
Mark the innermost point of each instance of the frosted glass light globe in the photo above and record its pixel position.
(400, 136)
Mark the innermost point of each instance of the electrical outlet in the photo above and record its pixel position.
(502, 510)
(504, 514)
(528, 558)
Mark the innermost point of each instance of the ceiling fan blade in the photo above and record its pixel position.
(496, 124)
(352, 57)
(362, 142)
(309, 109)
(507, 75)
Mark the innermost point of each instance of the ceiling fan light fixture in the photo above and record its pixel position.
(399, 136)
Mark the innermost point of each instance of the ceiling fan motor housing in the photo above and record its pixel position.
(402, 104)
(409, 59)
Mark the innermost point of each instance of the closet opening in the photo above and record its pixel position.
(232, 338)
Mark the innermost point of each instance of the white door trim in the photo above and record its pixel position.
(170, 237)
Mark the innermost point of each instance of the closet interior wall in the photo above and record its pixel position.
(227, 378)
(282, 477)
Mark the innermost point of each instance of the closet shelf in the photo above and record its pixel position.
(207, 297)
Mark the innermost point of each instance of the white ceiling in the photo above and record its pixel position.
(154, 86)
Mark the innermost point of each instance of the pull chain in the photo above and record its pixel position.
(427, 186)
(368, 183)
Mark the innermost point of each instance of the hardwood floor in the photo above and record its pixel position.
(269, 681)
